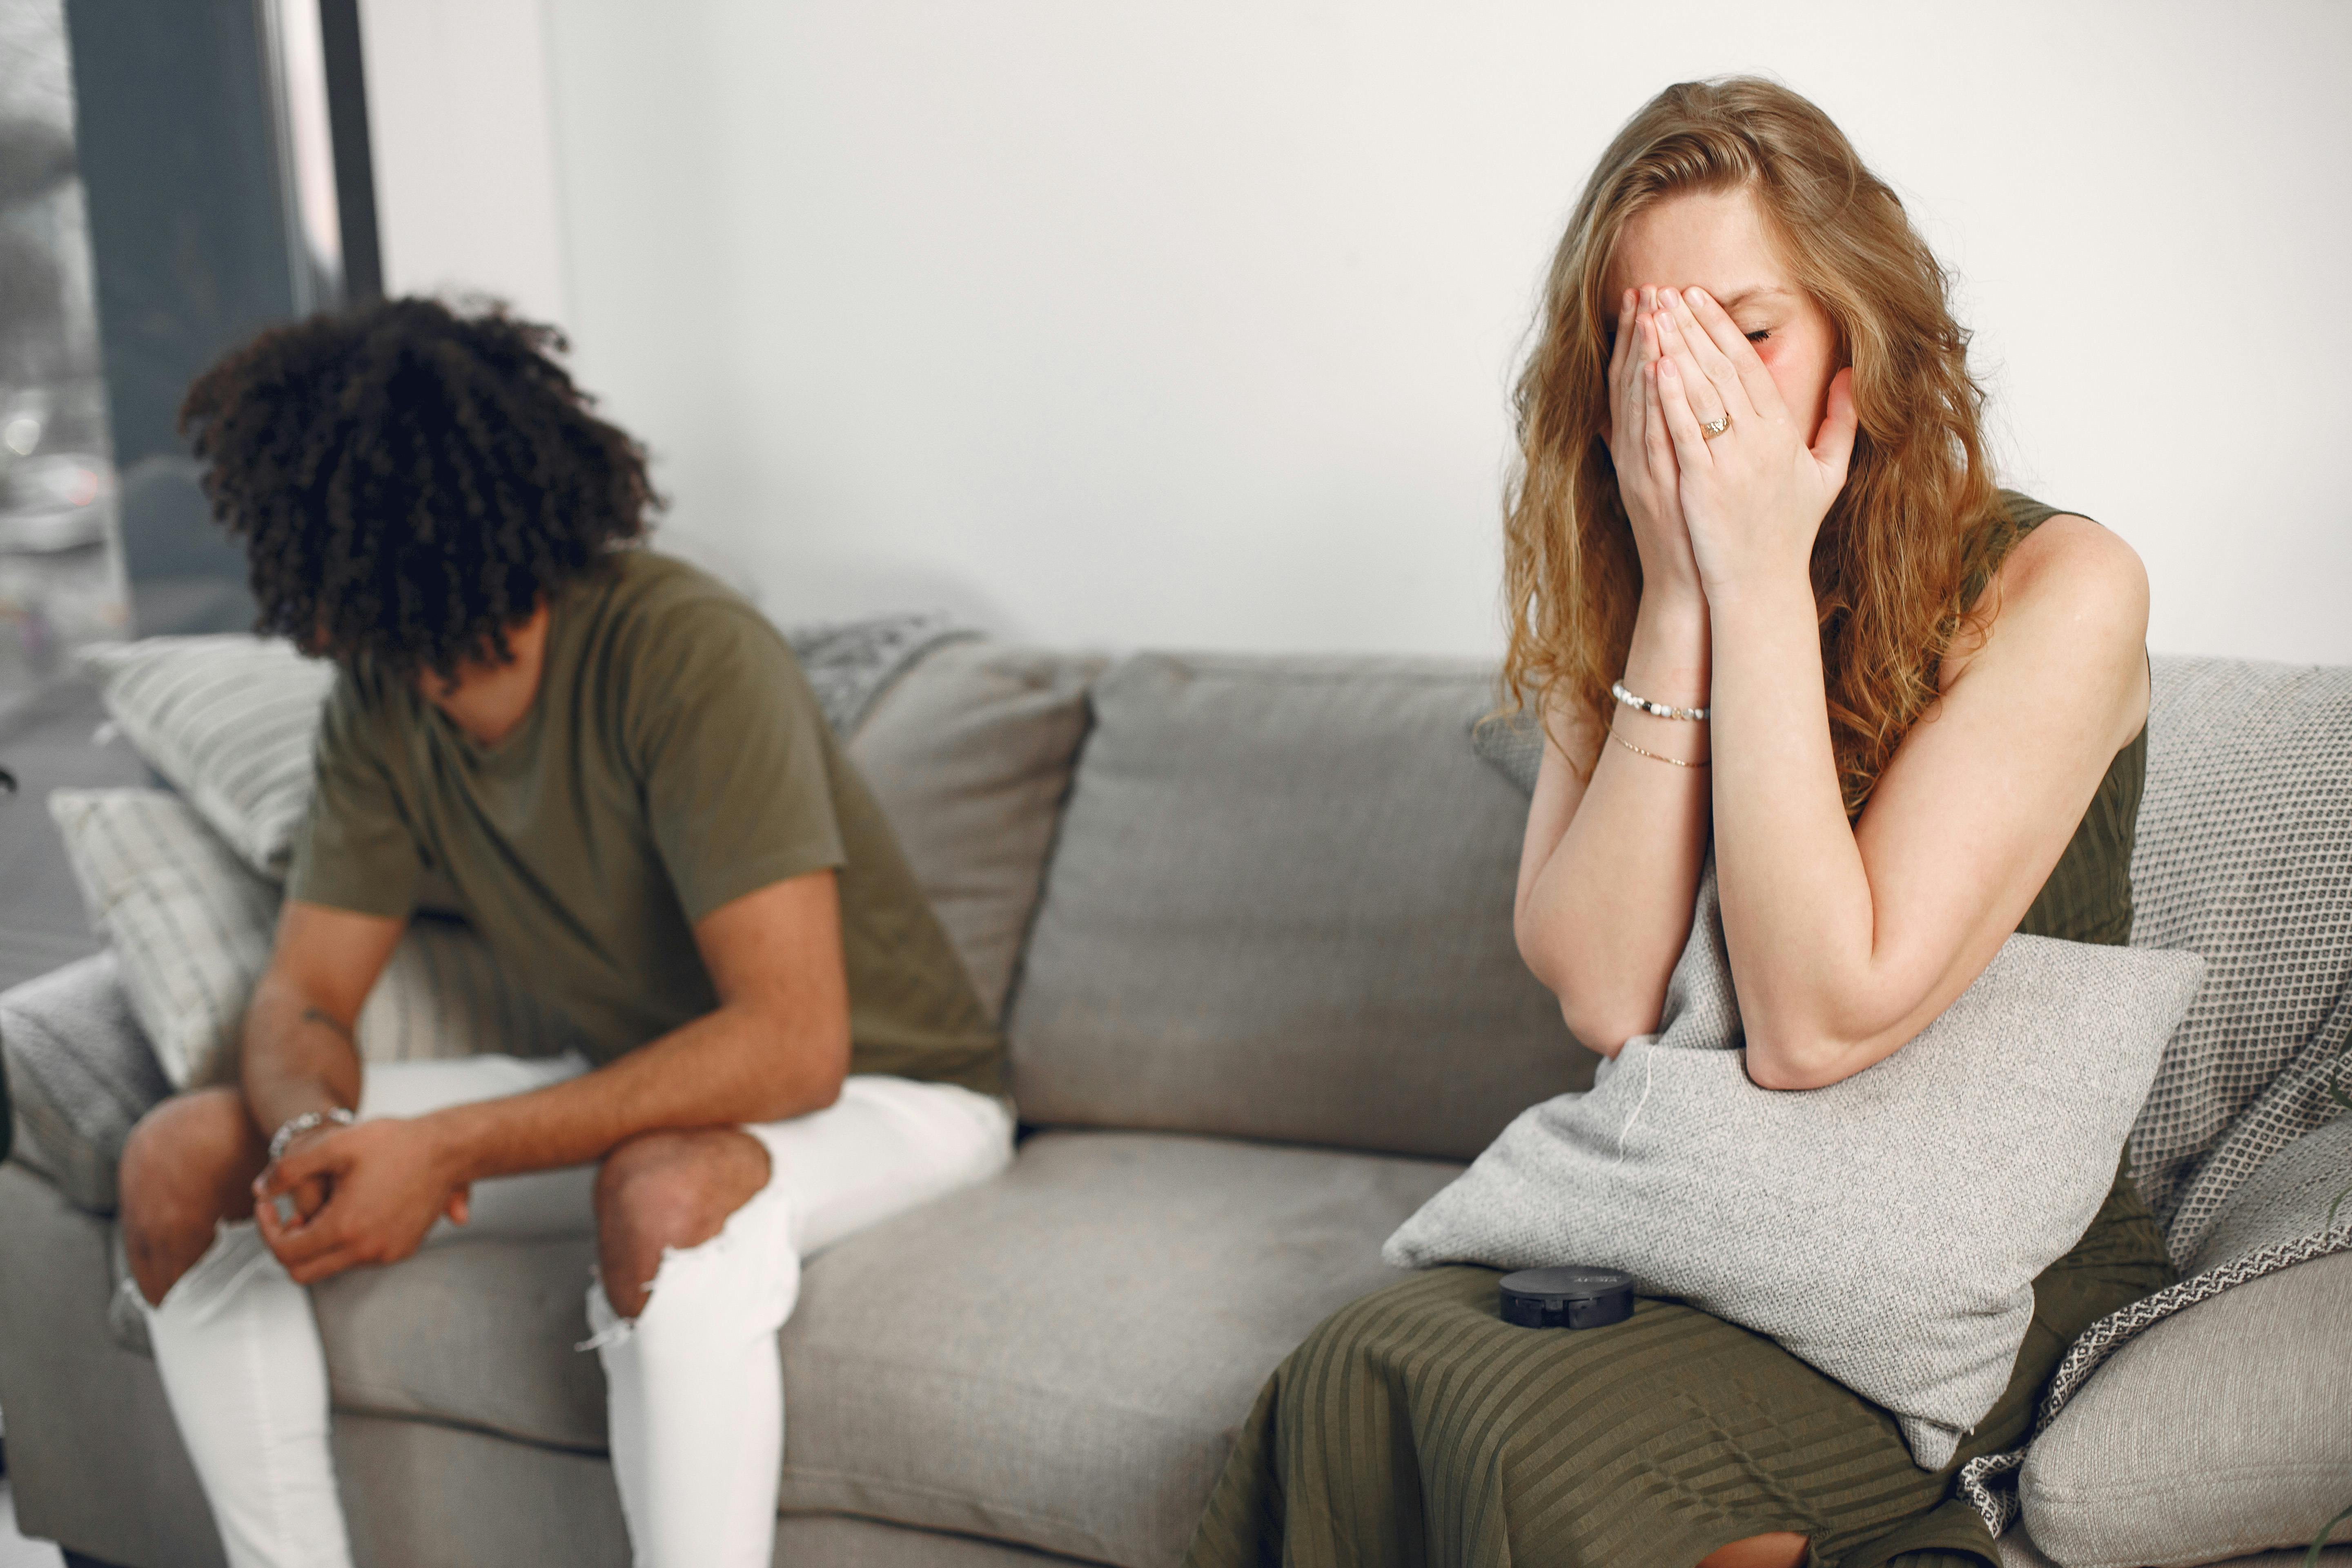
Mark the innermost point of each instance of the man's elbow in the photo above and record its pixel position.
(824, 1064)
(806, 1075)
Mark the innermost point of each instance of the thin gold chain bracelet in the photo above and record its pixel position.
(1656, 756)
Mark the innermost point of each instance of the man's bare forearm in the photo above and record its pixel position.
(297, 1057)
(729, 1066)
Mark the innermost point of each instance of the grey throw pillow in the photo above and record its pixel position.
(1886, 1229)
(2224, 1427)
(230, 720)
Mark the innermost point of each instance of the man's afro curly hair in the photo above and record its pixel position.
(410, 480)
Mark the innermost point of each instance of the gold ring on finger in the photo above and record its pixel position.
(1715, 428)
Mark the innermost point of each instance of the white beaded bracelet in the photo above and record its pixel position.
(1662, 709)
(298, 1125)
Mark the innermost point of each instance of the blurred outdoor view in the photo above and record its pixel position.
(61, 576)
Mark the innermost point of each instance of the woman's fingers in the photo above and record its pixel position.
(1681, 423)
(1621, 353)
(1658, 442)
(1697, 384)
(1763, 392)
(1834, 445)
(1713, 385)
(1622, 376)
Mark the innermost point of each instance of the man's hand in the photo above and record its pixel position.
(385, 1183)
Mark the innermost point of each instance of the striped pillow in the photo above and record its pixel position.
(190, 927)
(231, 723)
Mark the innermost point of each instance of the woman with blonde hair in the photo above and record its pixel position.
(1765, 597)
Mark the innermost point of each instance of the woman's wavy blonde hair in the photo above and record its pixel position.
(1894, 563)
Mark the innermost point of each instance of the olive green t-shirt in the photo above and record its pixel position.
(673, 760)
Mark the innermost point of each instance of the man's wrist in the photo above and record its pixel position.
(455, 1148)
(302, 1124)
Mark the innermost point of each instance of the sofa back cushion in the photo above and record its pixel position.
(1280, 907)
(969, 754)
(2244, 855)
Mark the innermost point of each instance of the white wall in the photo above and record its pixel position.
(463, 136)
(1191, 325)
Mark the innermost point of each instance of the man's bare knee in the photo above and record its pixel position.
(188, 1165)
(664, 1190)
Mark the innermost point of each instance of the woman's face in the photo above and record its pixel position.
(1717, 240)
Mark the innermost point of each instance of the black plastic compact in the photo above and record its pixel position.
(1566, 1297)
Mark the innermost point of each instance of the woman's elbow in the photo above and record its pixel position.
(1784, 1070)
(1793, 1056)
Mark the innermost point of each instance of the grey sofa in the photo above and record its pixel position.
(1250, 922)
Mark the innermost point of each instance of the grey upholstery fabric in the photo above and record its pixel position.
(422, 1495)
(1512, 745)
(93, 1457)
(2225, 1428)
(481, 1332)
(850, 663)
(1059, 1358)
(1280, 907)
(82, 1075)
(2241, 857)
(1905, 1259)
(2293, 1212)
(971, 755)
(2017, 1550)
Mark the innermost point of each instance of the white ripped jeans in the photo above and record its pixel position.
(694, 1386)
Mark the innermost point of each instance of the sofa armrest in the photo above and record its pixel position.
(80, 1073)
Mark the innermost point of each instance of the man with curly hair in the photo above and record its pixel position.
(614, 769)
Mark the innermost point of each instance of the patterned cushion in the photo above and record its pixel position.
(2244, 857)
(2209, 1419)
(230, 721)
(190, 927)
(83, 1075)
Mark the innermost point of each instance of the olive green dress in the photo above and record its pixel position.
(1414, 1427)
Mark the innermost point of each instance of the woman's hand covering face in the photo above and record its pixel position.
(1753, 497)
(1641, 449)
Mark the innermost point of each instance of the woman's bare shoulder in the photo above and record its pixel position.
(2072, 596)
(2076, 570)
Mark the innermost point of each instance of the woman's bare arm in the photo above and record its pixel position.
(1610, 862)
(1845, 941)
(1615, 839)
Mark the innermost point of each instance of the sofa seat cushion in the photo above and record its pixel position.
(475, 1331)
(1060, 1359)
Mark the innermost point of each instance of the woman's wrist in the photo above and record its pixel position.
(1671, 657)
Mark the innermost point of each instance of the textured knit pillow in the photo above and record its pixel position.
(1886, 1229)
(2217, 1420)
(190, 927)
(82, 1075)
(230, 721)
